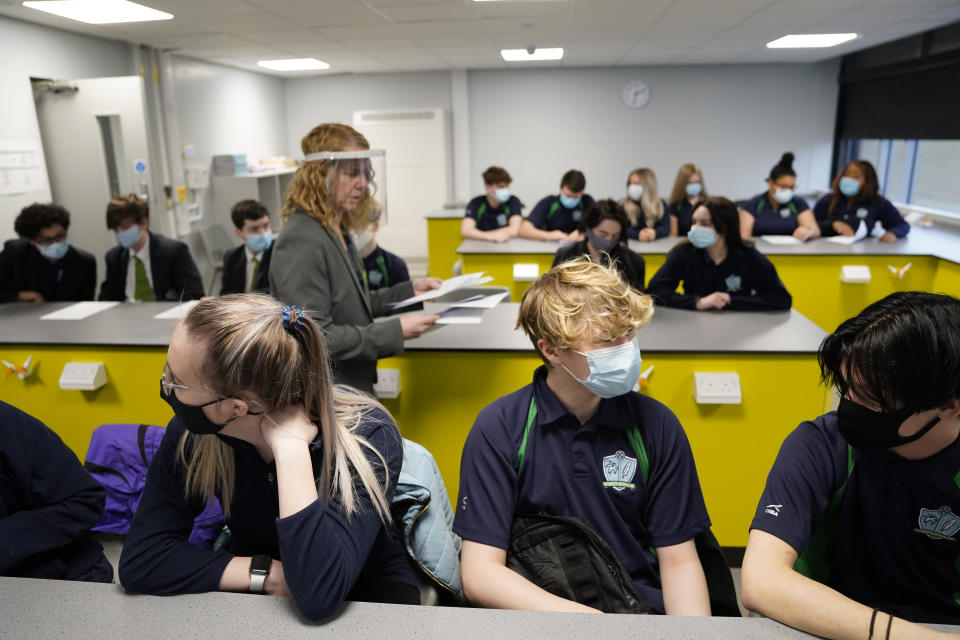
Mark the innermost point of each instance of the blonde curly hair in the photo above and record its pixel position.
(581, 298)
(308, 191)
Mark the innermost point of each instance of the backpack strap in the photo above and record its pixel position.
(812, 562)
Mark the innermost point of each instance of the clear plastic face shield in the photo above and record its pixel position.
(356, 185)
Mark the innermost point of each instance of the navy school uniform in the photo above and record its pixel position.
(746, 274)
(489, 217)
(23, 268)
(772, 218)
(384, 269)
(662, 226)
(48, 505)
(682, 211)
(588, 471)
(630, 264)
(551, 215)
(326, 558)
(894, 545)
(853, 211)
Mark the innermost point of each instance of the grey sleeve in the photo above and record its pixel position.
(381, 300)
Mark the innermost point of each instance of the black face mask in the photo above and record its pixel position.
(866, 429)
(192, 415)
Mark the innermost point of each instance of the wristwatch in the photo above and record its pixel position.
(259, 570)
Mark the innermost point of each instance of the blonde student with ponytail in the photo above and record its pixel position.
(304, 470)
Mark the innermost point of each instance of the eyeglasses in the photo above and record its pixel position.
(46, 242)
(167, 385)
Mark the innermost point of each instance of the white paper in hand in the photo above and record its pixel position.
(451, 284)
(859, 235)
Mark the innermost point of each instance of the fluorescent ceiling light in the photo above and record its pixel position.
(809, 40)
(294, 64)
(524, 55)
(99, 11)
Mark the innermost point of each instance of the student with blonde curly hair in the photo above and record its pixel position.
(577, 442)
(305, 470)
(316, 265)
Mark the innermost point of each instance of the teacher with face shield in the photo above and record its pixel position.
(315, 263)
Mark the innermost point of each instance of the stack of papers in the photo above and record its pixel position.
(178, 312)
(781, 240)
(470, 310)
(860, 234)
(449, 285)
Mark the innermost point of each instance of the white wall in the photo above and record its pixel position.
(222, 110)
(734, 121)
(31, 50)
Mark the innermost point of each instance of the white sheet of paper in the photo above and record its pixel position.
(859, 235)
(178, 312)
(480, 302)
(451, 284)
(79, 311)
(461, 315)
(781, 240)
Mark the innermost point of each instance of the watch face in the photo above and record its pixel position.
(260, 564)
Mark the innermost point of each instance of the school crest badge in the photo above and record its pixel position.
(733, 283)
(939, 524)
(862, 213)
(502, 219)
(577, 215)
(375, 277)
(619, 470)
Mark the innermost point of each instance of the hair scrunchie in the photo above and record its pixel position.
(292, 318)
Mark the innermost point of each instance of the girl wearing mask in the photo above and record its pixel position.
(778, 211)
(605, 230)
(688, 188)
(718, 269)
(856, 198)
(305, 470)
(646, 211)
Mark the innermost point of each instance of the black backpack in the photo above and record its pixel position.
(567, 557)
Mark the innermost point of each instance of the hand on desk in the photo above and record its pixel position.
(647, 235)
(803, 233)
(842, 228)
(276, 584)
(414, 324)
(30, 296)
(499, 236)
(889, 237)
(422, 285)
(716, 300)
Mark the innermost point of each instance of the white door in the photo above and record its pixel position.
(95, 143)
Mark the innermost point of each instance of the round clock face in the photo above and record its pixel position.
(636, 94)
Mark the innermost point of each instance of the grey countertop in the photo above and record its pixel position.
(53, 608)
(671, 331)
(940, 243)
(445, 214)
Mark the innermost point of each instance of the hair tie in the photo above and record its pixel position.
(292, 318)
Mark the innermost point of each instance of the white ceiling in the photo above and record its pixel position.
(363, 36)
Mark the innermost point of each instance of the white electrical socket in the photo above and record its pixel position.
(388, 383)
(717, 388)
(526, 271)
(855, 274)
(85, 376)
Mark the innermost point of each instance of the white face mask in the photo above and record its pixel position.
(783, 196)
(635, 191)
(362, 238)
(613, 370)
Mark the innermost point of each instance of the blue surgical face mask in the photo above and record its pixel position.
(128, 237)
(635, 191)
(568, 202)
(54, 251)
(613, 371)
(693, 189)
(783, 196)
(849, 186)
(702, 237)
(259, 242)
(502, 195)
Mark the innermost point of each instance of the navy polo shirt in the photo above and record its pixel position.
(746, 274)
(682, 211)
(563, 474)
(853, 211)
(384, 269)
(550, 214)
(490, 218)
(896, 545)
(772, 218)
(661, 227)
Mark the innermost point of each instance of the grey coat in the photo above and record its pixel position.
(311, 269)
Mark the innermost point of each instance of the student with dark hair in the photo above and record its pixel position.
(605, 227)
(145, 266)
(779, 211)
(855, 533)
(496, 215)
(856, 198)
(688, 189)
(645, 209)
(247, 268)
(48, 505)
(718, 269)
(557, 217)
(42, 265)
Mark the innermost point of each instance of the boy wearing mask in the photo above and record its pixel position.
(246, 268)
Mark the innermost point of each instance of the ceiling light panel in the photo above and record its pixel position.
(523, 55)
(810, 40)
(99, 11)
(294, 64)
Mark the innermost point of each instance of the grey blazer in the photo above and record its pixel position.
(311, 269)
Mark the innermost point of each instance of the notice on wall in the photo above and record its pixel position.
(21, 168)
